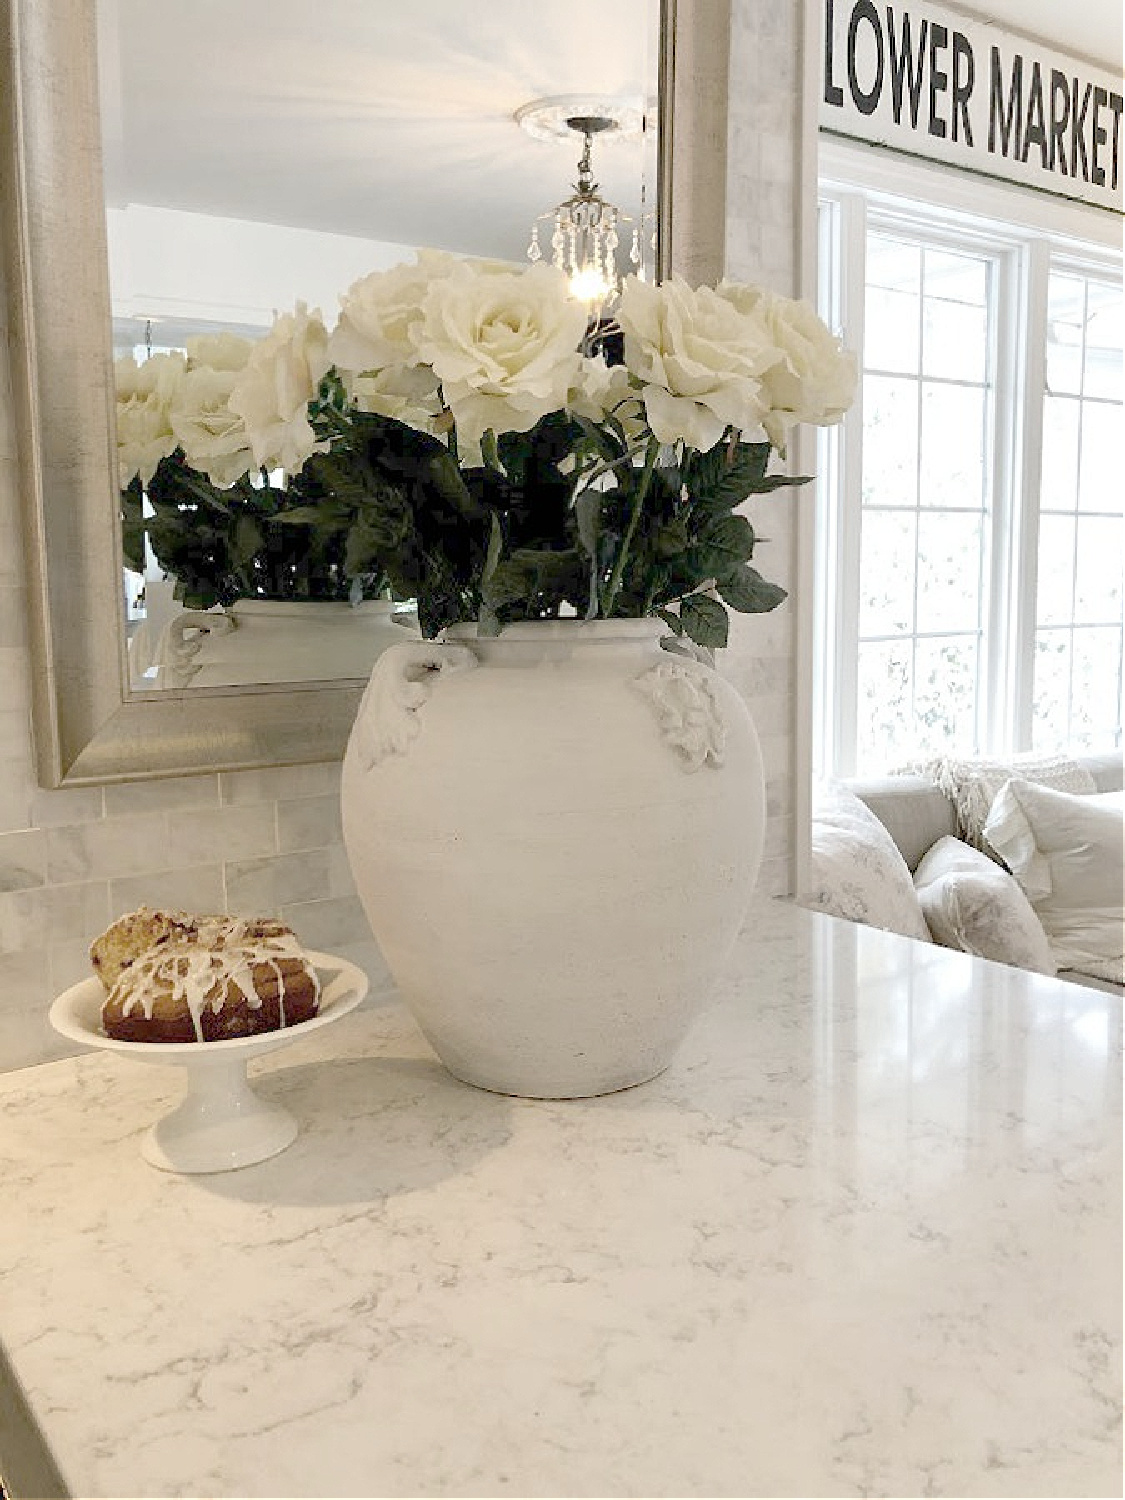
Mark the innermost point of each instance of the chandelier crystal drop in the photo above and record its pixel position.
(584, 238)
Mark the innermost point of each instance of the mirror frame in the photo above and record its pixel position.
(87, 728)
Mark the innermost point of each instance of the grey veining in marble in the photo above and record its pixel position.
(862, 1239)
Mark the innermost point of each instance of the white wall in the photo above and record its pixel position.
(165, 263)
(741, 84)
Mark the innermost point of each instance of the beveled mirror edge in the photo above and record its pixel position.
(86, 728)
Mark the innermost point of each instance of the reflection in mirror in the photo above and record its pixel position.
(315, 147)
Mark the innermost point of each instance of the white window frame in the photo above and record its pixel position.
(1027, 232)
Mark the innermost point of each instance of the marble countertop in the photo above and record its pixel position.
(863, 1238)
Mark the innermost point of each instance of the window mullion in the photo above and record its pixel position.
(1031, 352)
(853, 236)
(999, 715)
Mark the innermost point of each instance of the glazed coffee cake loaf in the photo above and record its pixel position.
(175, 977)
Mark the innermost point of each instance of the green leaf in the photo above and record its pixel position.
(726, 476)
(492, 557)
(732, 535)
(362, 551)
(705, 620)
(723, 546)
(670, 619)
(672, 539)
(133, 545)
(588, 519)
(509, 583)
(781, 481)
(247, 539)
(748, 592)
(328, 515)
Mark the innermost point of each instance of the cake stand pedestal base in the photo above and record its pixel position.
(221, 1124)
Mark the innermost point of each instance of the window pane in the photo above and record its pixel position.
(1097, 580)
(1066, 304)
(1076, 687)
(1102, 372)
(1095, 694)
(890, 441)
(954, 340)
(886, 574)
(893, 265)
(948, 572)
(883, 716)
(945, 696)
(960, 278)
(952, 468)
(890, 331)
(1055, 592)
(1066, 299)
(1059, 480)
(1051, 706)
(1102, 451)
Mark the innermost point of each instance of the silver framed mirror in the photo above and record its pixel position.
(88, 726)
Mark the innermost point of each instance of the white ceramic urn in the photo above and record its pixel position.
(277, 640)
(555, 834)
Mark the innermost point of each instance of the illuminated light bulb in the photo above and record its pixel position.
(590, 285)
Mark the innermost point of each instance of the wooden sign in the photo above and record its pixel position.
(932, 82)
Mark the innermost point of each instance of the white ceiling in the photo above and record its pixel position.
(392, 119)
(1087, 28)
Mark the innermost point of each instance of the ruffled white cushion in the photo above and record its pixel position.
(857, 869)
(972, 903)
(1068, 853)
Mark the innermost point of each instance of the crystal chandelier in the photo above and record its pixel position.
(584, 234)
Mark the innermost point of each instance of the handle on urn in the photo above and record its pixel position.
(181, 640)
(400, 685)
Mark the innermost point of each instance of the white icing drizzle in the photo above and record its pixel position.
(219, 962)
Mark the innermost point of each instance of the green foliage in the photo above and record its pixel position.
(572, 516)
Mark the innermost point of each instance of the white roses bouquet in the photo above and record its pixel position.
(463, 438)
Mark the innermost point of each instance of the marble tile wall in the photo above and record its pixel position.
(270, 840)
(762, 132)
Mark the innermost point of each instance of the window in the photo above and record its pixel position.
(970, 536)
(925, 498)
(1078, 616)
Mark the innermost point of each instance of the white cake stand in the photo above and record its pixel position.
(220, 1124)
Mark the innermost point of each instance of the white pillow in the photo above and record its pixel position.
(1068, 853)
(972, 785)
(972, 903)
(857, 869)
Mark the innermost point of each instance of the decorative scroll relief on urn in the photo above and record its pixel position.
(688, 713)
(400, 685)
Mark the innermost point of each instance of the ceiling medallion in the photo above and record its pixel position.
(548, 119)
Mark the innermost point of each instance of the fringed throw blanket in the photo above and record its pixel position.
(972, 785)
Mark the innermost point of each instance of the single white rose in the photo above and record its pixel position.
(158, 376)
(212, 436)
(814, 377)
(145, 394)
(504, 345)
(699, 361)
(272, 393)
(144, 437)
(380, 312)
(219, 351)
